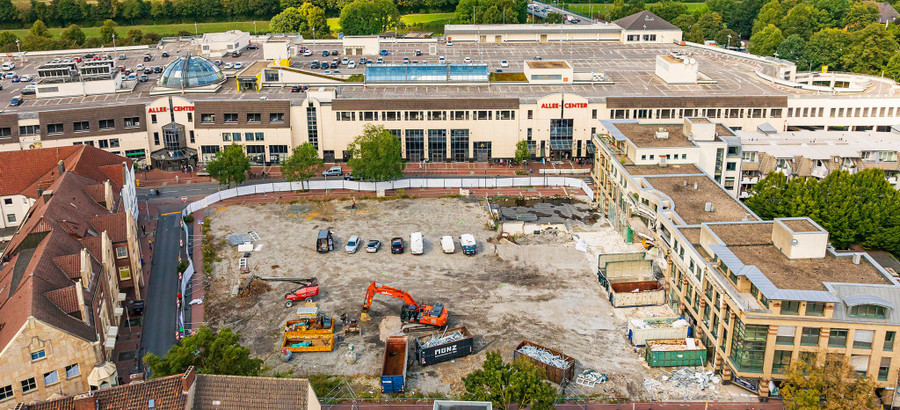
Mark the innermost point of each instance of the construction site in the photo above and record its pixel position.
(538, 286)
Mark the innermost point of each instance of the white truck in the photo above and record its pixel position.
(467, 241)
(447, 244)
(416, 243)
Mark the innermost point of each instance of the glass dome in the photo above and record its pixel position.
(190, 72)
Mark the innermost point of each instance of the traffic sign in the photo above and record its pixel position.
(184, 199)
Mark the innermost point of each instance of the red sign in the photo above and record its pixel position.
(184, 199)
(154, 110)
(566, 105)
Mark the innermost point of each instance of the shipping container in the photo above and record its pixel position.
(444, 352)
(393, 368)
(675, 353)
(554, 374)
(309, 343)
(642, 330)
(631, 294)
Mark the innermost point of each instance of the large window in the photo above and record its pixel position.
(25, 130)
(809, 336)
(748, 346)
(231, 118)
(869, 311)
(889, 340)
(277, 153)
(54, 129)
(132, 122)
(207, 118)
(254, 118)
(561, 135)
(785, 335)
(459, 144)
(29, 385)
(815, 309)
(72, 370)
(82, 126)
(884, 368)
(312, 125)
(40, 354)
(208, 152)
(107, 124)
(121, 252)
(790, 307)
(781, 361)
(862, 339)
(837, 338)
(51, 378)
(415, 145)
(257, 154)
(276, 118)
(437, 145)
(6, 392)
(124, 272)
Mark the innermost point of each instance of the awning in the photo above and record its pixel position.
(561, 145)
(139, 153)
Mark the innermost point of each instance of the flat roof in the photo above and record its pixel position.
(670, 169)
(254, 68)
(800, 225)
(819, 144)
(690, 203)
(601, 27)
(743, 233)
(644, 135)
(806, 274)
(547, 64)
(691, 234)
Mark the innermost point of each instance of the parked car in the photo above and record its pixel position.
(132, 77)
(218, 62)
(362, 60)
(56, 60)
(229, 65)
(16, 79)
(157, 69)
(165, 54)
(122, 56)
(9, 65)
(77, 59)
(467, 60)
(148, 70)
(441, 60)
(449, 43)
(334, 64)
(139, 67)
(384, 52)
(351, 64)
(336, 72)
(238, 65)
(324, 53)
(380, 60)
(9, 75)
(397, 245)
(29, 89)
(418, 52)
(405, 60)
(504, 64)
(16, 101)
(88, 56)
(314, 65)
(345, 61)
(147, 57)
(235, 54)
(334, 52)
(373, 246)
(296, 89)
(447, 244)
(144, 79)
(349, 177)
(352, 244)
(307, 53)
(334, 171)
(416, 243)
(252, 46)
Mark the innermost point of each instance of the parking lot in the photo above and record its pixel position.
(542, 290)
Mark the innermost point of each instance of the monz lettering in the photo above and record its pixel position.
(445, 350)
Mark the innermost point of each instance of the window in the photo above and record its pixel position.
(748, 346)
(53, 129)
(191, 133)
(6, 392)
(482, 115)
(190, 117)
(114, 143)
(312, 125)
(81, 126)
(124, 272)
(236, 136)
(815, 309)
(40, 354)
(593, 114)
(277, 153)
(134, 122)
(155, 138)
(862, 339)
(809, 336)
(121, 252)
(231, 118)
(153, 118)
(103, 143)
(785, 335)
(884, 368)
(775, 112)
(254, 118)
(271, 75)
(276, 118)
(838, 338)
(782, 361)
(29, 385)
(5, 132)
(11, 218)
(226, 136)
(869, 311)
(7, 201)
(107, 124)
(531, 114)
(790, 307)
(889, 341)
(51, 378)
(207, 118)
(29, 130)
(72, 370)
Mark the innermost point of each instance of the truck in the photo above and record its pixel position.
(467, 241)
(554, 374)
(416, 243)
(308, 343)
(459, 344)
(393, 368)
(447, 244)
(324, 241)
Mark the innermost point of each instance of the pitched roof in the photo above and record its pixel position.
(644, 20)
(115, 226)
(241, 392)
(24, 172)
(166, 393)
(887, 13)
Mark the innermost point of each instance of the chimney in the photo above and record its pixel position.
(84, 401)
(85, 268)
(136, 377)
(187, 380)
(79, 296)
(46, 194)
(61, 167)
(696, 185)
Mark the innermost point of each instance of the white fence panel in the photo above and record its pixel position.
(504, 182)
(368, 186)
(398, 184)
(245, 190)
(213, 198)
(339, 184)
(470, 183)
(228, 193)
(416, 183)
(318, 184)
(282, 186)
(265, 188)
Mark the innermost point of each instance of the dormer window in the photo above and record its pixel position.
(869, 311)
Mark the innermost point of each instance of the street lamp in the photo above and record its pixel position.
(17, 47)
(196, 30)
(729, 41)
(254, 28)
(114, 42)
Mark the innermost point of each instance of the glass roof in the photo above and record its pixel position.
(189, 72)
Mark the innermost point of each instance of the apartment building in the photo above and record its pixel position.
(68, 270)
(760, 294)
(816, 154)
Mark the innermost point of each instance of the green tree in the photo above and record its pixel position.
(837, 381)
(621, 8)
(134, 35)
(707, 26)
(106, 9)
(861, 14)
(520, 383)
(39, 29)
(870, 49)
(770, 13)
(728, 38)
(8, 12)
(827, 47)
(288, 21)
(73, 35)
(522, 151)
(668, 10)
(230, 165)
(302, 163)
(376, 155)
(209, 352)
(684, 22)
(801, 19)
(767, 198)
(365, 17)
(891, 70)
(7, 38)
(793, 48)
(315, 19)
(834, 12)
(554, 18)
(108, 30)
(131, 10)
(765, 42)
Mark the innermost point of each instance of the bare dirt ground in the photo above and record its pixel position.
(546, 293)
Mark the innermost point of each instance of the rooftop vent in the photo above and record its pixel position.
(709, 207)
(661, 133)
(857, 257)
(696, 186)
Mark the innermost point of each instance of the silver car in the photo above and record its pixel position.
(352, 244)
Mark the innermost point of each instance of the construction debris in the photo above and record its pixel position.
(684, 384)
(544, 356)
(590, 378)
(439, 340)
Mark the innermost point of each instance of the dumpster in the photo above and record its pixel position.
(642, 330)
(393, 369)
(675, 353)
(459, 343)
(554, 373)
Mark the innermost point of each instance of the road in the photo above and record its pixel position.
(563, 11)
(162, 291)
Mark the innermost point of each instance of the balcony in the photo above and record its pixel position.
(744, 195)
(749, 180)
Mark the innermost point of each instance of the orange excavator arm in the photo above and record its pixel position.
(387, 291)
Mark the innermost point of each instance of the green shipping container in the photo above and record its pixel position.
(675, 353)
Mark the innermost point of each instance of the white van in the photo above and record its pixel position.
(9, 65)
(416, 243)
(448, 245)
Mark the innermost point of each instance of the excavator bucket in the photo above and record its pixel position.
(364, 316)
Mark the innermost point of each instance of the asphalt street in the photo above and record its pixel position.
(160, 310)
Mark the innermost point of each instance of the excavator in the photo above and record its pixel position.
(412, 313)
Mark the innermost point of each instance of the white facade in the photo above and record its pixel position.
(220, 44)
(79, 88)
